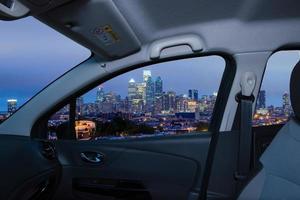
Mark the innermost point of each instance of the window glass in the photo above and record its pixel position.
(58, 123)
(273, 102)
(32, 55)
(175, 97)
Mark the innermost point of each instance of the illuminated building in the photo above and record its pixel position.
(110, 103)
(193, 94)
(262, 111)
(146, 75)
(131, 89)
(211, 102)
(202, 106)
(141, 92)
(158, 105)
(185, 104)
(192, 105)
(204, 97)
(261, 100)
(100, 95)
(286, 104)
(182, 103)
(89, 109)
(84, 129)
(168, 102)
(149, 95)
(136, 96)
(158, 86)
(111, 97)
(11, 106)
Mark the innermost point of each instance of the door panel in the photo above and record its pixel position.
(28, 167)
(154, 168)
(222, 184)
(263, 136)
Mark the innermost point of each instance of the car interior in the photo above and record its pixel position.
(57, 147)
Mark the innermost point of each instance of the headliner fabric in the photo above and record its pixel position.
(295, 90)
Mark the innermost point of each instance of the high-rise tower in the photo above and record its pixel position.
(193, 94)
(261, 100)
(158, 87)
(146, 75)
(100, 95)
(11, 106)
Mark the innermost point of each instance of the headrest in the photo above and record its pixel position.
(295, 90)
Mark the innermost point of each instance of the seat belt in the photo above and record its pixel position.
(245, 99)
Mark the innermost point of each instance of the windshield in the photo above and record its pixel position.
(31, 56)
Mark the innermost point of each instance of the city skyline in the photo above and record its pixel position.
(24, 73)
(92, 96)
(148, 104)
(178, 76)
(146, 95)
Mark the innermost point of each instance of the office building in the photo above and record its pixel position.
(11, 106)
(193, 94)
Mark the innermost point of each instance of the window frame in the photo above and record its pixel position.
(40, 125)
(282, 49)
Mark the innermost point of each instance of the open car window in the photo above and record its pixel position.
(169, 98)
(32, 55)
(273, 105)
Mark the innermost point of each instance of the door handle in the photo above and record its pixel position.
(92, 157)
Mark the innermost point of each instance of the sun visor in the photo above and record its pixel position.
(96, 24)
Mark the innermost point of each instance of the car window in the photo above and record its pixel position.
(169, 98)
(32, 55)
(273, 102)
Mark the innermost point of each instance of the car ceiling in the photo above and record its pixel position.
(225, 26)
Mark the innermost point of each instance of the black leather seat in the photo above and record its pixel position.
(280, 175)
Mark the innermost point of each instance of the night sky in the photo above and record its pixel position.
(32, 55)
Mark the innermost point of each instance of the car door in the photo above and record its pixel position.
(137, 136)
(29, 168)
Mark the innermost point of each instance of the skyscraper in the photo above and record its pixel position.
(182, 103)
(146, 75)
(110, 97)
(261, 100)
(149, 95)
(285, 99)
(286, 104)
(11, 106)
(169, 102)
(158, 105)
(158, 87)
(136, 95)
(193, 94)
(131, 89)
(100, 95)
